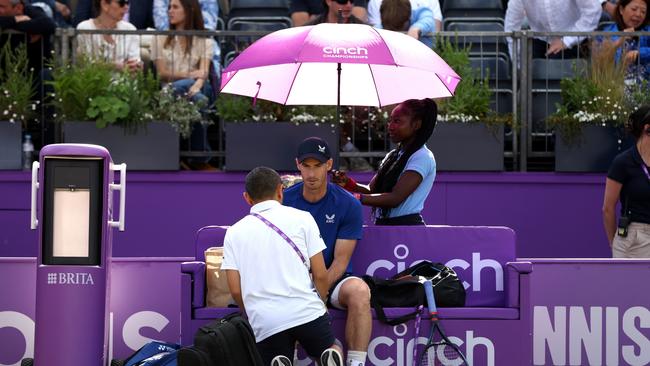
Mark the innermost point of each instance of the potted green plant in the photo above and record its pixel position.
(137, 120)
(469, 135)
(595, 105)
(269, 133)
(16, 103)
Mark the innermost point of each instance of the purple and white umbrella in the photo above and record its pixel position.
(339, 64)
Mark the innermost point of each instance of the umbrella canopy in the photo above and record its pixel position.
(339, 64)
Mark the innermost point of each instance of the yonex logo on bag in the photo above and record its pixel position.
(68, 278)
(345, 52)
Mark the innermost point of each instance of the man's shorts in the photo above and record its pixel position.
(333, 297)
(315, 337)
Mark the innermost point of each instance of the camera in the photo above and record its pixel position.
(623, 223)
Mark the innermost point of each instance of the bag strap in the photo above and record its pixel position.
(381, 315)
(283, 235)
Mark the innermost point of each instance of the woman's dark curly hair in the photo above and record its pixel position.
(390, 170)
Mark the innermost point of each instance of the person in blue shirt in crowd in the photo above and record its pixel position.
(339, 219)
(399, 16)
(632, 16)
(405, 177)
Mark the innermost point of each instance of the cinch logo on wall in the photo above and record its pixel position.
(401, 261)
(566, 335)
(70, 278)
(345, 52)
(397, 349)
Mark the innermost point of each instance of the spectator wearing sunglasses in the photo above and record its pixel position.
(628, 182)
(120, 49)
(311, 12)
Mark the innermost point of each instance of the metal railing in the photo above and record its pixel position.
(516, 80)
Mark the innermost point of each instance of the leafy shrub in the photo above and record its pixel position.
(16, 85)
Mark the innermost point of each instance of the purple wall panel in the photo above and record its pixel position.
(590, 312)
(553, 215)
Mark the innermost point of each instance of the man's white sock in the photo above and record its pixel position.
(356, 358)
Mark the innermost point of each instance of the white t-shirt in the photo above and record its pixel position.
(124, 48)
(276, 287)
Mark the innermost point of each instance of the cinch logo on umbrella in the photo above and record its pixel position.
(345, 52)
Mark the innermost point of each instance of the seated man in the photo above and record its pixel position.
(335, 11)
(268, 269)
(304, 11)
(338, 215)
(374, 14)
(399, 16)
(36, 27)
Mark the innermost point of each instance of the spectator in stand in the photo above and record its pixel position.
(36, 27)
(121, 49)
(337, 11)
(405, 177)
(209, 13)
(374, 15)
(628, 182)
(555, 16)
(306, 11)
(139, 14)
(57, 10)
(396, 15)
(609, 8)
(632, 16)
(184, 63)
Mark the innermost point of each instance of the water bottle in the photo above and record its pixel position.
(28, 152)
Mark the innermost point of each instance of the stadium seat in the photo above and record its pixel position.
(497, 71)
(480, 45)
(547, 75)
(255, 15)
(258, 8)
(472, 9)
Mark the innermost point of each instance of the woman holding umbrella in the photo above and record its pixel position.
(398, 191)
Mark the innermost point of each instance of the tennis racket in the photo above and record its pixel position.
(442, 352)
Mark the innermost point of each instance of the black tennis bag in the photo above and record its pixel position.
(228, 341)
(447, 287)
(405, 290)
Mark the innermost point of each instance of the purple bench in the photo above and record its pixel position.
(484, 258)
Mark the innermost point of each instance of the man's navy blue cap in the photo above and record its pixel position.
(314, 147)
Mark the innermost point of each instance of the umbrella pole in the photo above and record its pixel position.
(338, 107)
